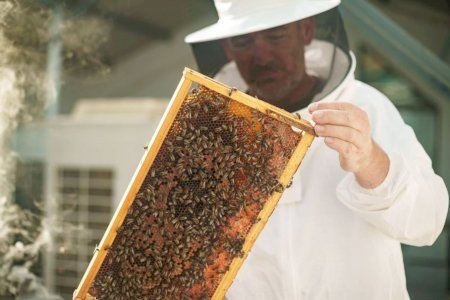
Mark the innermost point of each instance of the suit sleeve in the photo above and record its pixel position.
(411, 203)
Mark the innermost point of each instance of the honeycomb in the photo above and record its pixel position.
(217, 166)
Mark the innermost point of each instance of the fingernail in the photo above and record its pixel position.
(319, 127)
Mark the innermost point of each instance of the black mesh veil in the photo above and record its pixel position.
(328, 56)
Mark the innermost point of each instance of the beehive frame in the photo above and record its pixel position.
(190, 78)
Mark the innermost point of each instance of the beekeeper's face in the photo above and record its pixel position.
(272, 61)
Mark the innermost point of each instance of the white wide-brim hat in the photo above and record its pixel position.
(237, 17)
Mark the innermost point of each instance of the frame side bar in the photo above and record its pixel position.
(134, 186)
(265, 213)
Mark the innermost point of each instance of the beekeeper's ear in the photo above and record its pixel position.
(307, 29)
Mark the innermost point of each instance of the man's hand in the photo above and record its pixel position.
(346, 129)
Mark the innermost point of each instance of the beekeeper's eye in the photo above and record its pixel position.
(275, 35)
(241, 42)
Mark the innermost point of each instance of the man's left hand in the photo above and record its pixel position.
(346, 129)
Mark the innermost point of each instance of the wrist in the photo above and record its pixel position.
(375, 171)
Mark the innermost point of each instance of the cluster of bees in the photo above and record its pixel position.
(215, 170)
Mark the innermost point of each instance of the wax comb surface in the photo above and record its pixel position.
(212, 183)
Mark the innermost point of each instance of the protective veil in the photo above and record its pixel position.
(329, 238)
(327, 57)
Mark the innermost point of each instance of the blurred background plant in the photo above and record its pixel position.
(26, 31)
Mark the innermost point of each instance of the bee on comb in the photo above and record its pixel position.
(206, 186)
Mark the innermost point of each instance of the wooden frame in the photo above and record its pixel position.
(189, 78)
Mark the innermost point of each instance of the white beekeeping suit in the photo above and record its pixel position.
(329, 238)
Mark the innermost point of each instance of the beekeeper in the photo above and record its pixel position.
(365, 186)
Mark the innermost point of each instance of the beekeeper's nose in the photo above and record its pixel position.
(262, 50)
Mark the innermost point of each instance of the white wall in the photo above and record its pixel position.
(114, 146)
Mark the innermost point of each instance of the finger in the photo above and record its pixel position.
(339, 117)
(344, 133)
(342, 147)
(332, 105)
